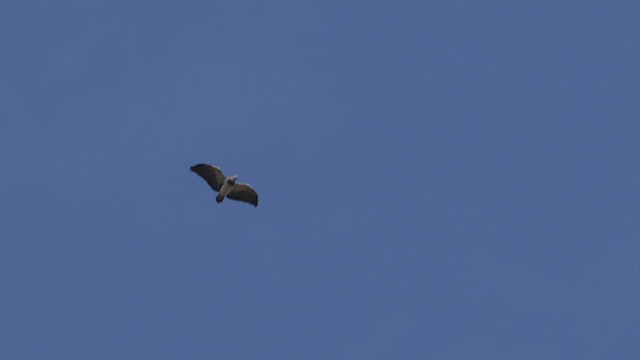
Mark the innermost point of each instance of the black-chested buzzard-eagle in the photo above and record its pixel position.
(226, 186)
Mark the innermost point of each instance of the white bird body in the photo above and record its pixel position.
(227, 186)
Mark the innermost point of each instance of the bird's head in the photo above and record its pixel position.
(231, 180)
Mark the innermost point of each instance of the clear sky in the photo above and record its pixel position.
(437, 180)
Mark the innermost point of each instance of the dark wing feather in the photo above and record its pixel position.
(244, 192)
(212, 174)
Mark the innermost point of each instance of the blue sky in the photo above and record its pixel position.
(437, 180)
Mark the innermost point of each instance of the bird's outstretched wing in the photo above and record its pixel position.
(212, 174)
(244, 192)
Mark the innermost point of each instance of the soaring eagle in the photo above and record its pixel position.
(226, 186)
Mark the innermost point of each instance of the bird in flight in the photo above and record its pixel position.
(226, 186)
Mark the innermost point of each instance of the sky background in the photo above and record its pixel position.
(437, 180)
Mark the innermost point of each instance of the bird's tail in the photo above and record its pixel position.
(219, 198)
